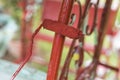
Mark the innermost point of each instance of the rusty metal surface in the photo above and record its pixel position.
(8, 68)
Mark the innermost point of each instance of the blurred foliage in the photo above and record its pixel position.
(10, 3)
(11, 6)
(117, 23)
(118, 15)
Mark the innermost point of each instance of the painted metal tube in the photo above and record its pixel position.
(59, 41)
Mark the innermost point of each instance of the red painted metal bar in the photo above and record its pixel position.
(59, 41)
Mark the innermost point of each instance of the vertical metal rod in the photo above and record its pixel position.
(59, 41)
